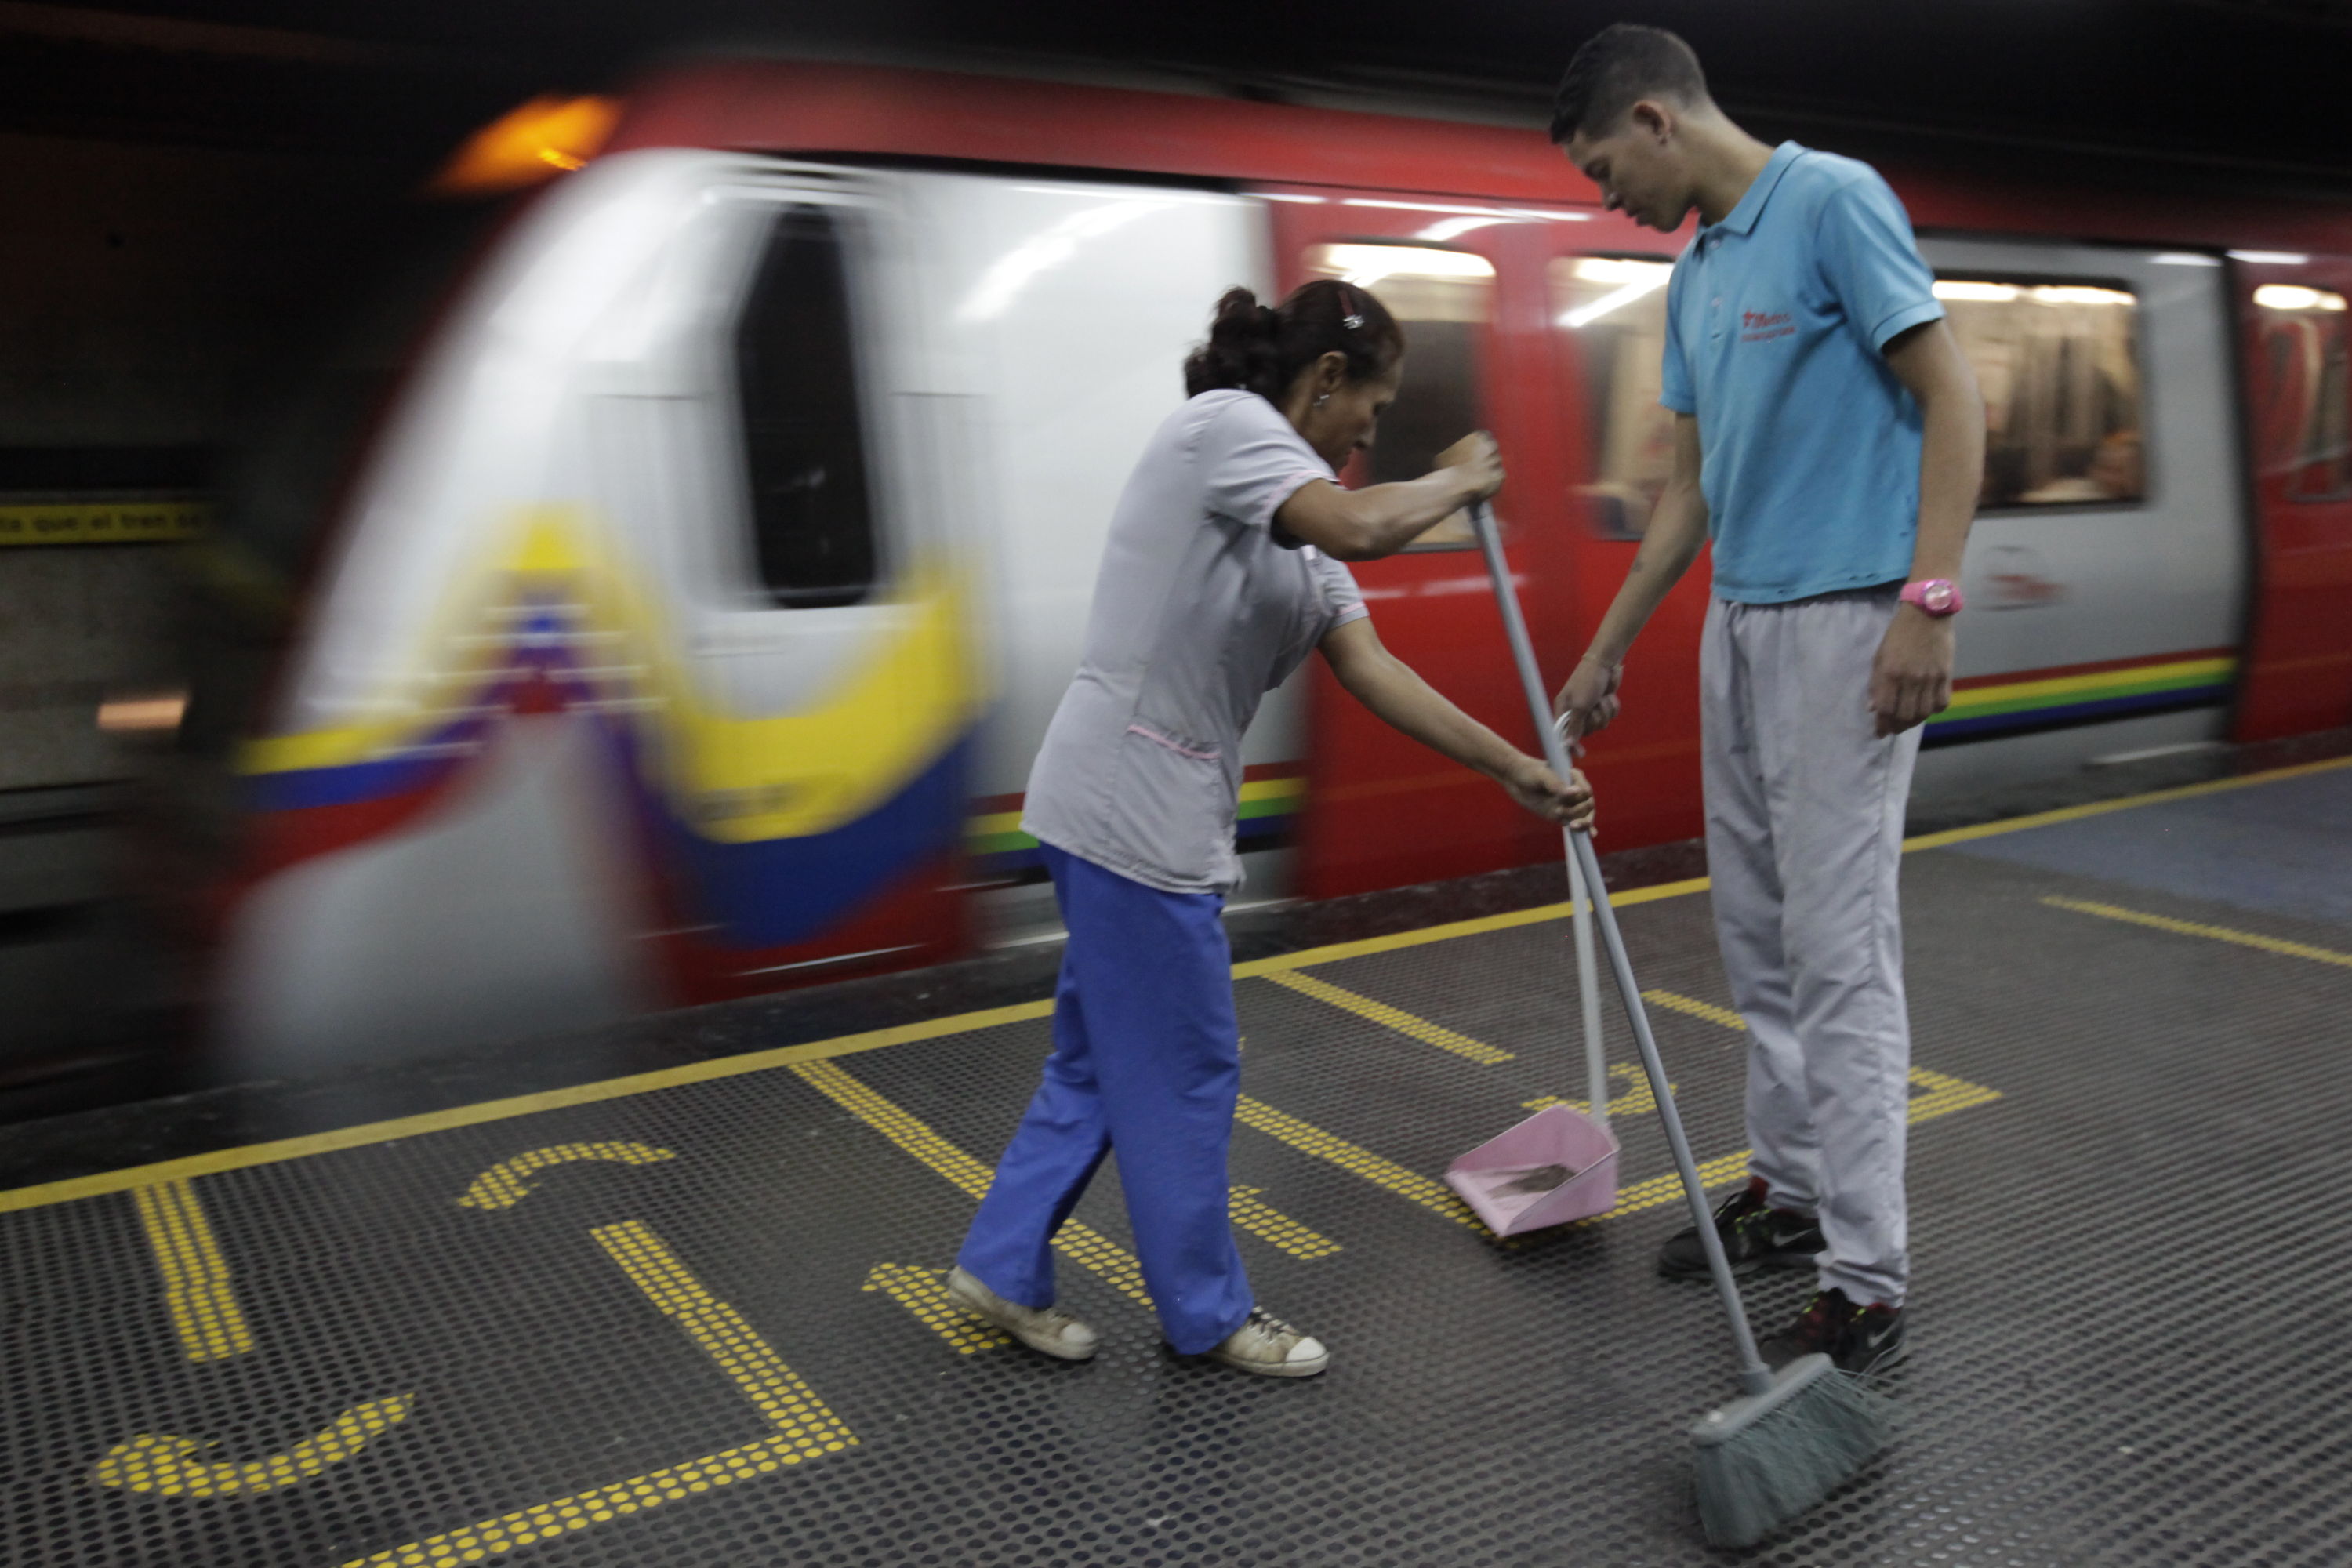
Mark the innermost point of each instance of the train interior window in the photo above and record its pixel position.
(2306, 337)
(1444, 299)
(2059, 367)
(1615, 309)
(803, 435)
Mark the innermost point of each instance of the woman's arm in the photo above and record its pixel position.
(1392, 689)
(1381, 519)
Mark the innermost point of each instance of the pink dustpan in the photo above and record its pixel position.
(1556, 1166)
(1559, 1165)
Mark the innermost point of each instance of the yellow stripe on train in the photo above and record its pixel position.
(2185, 672)
(885, 719)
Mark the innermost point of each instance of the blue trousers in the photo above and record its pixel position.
(1147, 1061)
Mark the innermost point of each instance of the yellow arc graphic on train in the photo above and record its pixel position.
(892, 713)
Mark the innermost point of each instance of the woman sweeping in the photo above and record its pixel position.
(1221, 574)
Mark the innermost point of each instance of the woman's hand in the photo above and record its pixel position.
(1535, 786)
(1480, 462)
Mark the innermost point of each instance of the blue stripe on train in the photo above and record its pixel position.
(2064, 715)
(771, 891)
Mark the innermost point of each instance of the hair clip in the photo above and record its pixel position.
(1351, 323)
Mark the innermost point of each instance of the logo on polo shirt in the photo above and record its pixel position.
(1760, 326)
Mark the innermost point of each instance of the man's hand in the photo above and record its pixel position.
(1535, 786)
(1479, 462)
(1911, 678)
(1589, 700)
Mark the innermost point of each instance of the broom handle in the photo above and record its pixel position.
(1753, 1375)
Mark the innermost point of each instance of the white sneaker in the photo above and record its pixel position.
(1049, 1331)
(1271, 1348)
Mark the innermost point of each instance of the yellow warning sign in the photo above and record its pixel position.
(105, 522)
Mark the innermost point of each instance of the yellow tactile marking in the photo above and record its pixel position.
(1676, 1002)
(1272, 1226)
(1079, 1243)
(726, 1337)
(196, 1288)
(2210, 932)
(1945, 1095)
(924, 1293)
(1396, 1018)
(503, 1186)
(1357, 1161)
(45, 1193)
(1636, 1098)
(1658, 1191)
(162, 1463)
(493, 1537)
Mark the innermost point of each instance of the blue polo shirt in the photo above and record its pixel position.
(1777, 320)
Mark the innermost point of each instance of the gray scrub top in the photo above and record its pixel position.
(1199, 611)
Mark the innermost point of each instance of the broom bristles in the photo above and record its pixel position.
(1788, 1460)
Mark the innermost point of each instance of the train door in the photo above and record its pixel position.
(807, 767)
(2105, 574)
(2296, 326)
(1465, 281)
(1605, 297)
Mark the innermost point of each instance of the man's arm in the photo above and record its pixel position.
(1911, 678)
(1677, 529)
(1395, 692)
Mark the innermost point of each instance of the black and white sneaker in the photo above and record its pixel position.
(1855, 1339)
(1755, 1236)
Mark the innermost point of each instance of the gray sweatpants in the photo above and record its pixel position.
(1804, 842)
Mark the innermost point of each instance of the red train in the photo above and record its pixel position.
(1007, 271)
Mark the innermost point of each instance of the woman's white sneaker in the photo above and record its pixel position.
(1271, 1348)
(1049, 1331)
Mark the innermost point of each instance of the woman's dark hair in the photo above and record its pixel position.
(1263, 350)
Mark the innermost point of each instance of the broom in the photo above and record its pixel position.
(1794, 1436)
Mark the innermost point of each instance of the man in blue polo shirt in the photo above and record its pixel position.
(1828, 438)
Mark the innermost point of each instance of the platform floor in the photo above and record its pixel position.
(694, 1317)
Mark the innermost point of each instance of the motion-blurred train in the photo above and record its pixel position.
(688, 629)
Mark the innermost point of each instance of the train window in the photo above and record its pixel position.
(803, 437)
(1443, 299)
(2309, 430)
(2059, 367)
(1616, 309)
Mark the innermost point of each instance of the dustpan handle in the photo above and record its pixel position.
(1753, 1374)
(1588, 983)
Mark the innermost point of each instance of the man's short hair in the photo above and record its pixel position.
(1616, 68)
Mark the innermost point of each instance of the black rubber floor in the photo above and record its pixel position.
(700, 1323)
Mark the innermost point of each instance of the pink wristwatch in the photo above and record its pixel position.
(1937, 596)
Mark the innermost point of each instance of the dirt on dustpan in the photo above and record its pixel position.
(1558, 1166)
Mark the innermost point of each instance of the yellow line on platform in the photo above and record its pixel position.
(503, 1186)
(924, 1293)
(1357, 1161)
(197, 1288)
(168, 1466)
(1276, 1228)
(492, 1537)
(2122, 803)
(1945, 1095)
(372, 1132)
(1676, 1001)
(1396, 1018)
(367, 1133)
(1080, 1243)
(2209, 932)
(724, 1336)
